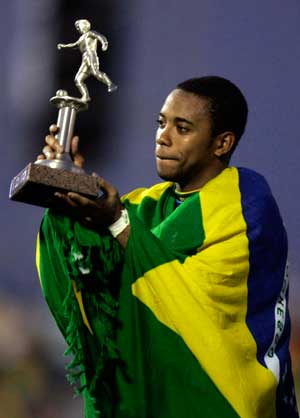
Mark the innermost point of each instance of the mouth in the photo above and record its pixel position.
(166, 157)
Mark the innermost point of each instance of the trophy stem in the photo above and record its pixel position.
(67, 110)
(66, 122)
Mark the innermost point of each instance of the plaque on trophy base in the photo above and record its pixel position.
(37, 183)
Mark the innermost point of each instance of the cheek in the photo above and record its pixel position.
(190, 148)
(194, 155)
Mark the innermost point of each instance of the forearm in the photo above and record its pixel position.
(123, 237)
(71, 45)
(101, 38)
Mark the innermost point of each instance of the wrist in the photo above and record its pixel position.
(117, 227)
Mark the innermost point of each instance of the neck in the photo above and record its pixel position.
(198, 182)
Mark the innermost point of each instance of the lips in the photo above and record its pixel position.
(165, 157)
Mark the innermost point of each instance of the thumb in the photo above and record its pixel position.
(105, 186)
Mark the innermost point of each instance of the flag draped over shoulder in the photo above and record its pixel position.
(191, 319)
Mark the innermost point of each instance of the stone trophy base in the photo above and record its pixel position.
(37, 182)
(36, 185)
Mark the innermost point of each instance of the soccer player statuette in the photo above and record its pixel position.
(37, 182)
(87, 43)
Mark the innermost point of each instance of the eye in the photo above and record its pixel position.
(160, 122)
(182, 129)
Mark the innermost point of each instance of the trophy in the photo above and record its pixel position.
(38, 181)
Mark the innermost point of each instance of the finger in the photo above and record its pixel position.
(100, 185)
(53, 129)
(47, 149)
(78, 160)
(107, 187)
(74, 145)
(53, 143)
(40, 157)
(65, 198)
(80, 200)
(77, 157)
(48, 152)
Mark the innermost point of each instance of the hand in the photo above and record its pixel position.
(54, 150)
(104, 46)
(59, 46)
(97, 213)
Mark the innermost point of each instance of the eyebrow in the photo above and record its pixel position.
(179, 119)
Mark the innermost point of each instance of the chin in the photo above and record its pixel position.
(167, 176)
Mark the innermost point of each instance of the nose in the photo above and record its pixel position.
(163, 136)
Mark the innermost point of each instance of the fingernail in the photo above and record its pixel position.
(97, 175)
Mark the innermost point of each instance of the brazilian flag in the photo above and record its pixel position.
(191, 319)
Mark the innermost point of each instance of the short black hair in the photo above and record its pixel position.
(227, 105)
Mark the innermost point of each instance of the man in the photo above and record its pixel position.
(173, 299)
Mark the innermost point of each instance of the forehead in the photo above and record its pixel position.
(180, 103)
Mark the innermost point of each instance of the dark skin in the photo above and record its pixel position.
(186, 153)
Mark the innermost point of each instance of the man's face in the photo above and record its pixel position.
(184, 146)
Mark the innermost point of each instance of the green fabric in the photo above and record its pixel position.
(68, 252)
(133, 366)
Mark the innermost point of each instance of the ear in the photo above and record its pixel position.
(224, 143)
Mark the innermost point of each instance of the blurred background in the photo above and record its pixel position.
(153, 45)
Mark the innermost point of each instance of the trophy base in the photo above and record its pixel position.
(36, 185)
